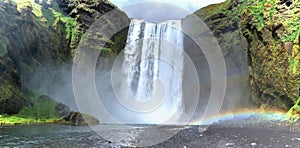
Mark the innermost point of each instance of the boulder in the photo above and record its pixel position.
(62, 110)
(79, 119)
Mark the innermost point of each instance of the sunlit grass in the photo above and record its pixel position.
(293, 114)
(40, 111)
(50, 16)
(70, 23)
(41, 108)
(24, 4)
(15, 120)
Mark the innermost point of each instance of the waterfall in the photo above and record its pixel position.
(153, 67)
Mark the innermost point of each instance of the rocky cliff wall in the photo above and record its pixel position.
(38, 40)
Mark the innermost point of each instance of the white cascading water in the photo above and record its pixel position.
(153, 64)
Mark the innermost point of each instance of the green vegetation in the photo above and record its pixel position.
(46, 37)
(272, 31)
(70, 23)
(210, 10)
(294, 66)
(3, 50)
(52, 16)
(43, 107)
(6, 90)
(264, 14)
(42, 110)
(15, 120)
(25, 4)
(293, 115)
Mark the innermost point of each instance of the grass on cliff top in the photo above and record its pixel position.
(50, 16)
(263, 13)
(213, 9)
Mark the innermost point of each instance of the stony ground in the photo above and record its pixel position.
(233, 133)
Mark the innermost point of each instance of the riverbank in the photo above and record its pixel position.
(6, 120)
(229, 132)
(40, 109)
(73, 119)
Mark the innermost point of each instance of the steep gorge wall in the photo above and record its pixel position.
(224, 23)
(38, 40)
(272, 31)
(25, 43)
(260, 38)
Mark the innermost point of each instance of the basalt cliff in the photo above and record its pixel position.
(260, 41)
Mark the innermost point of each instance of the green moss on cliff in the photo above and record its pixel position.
(34, 34)
(293, 114)
(52, 16)
(271, 29)
(42, 107)
(11, 98)
(3, 48)
(70, 23)
(271, 12)
(6, 90)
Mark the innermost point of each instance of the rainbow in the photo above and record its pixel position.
(241, 114)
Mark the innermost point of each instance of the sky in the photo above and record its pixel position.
(160, 10)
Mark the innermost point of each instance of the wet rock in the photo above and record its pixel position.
(62, 110)
(288, 46)
(44, 98)
(79, 119)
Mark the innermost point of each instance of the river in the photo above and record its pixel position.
(221, 135)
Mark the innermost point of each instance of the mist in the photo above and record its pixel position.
(53, 81)
(155, 12)
(56, 81)
(159, 11)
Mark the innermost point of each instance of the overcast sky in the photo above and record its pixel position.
(159, 10)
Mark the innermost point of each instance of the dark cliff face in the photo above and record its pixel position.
(41, 37)
(11, 100)
(29, 39)
(224, 23)
(260, 38)
(86, 11)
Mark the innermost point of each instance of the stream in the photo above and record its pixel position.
(225, 134)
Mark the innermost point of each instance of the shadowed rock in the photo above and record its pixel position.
(79, 119)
